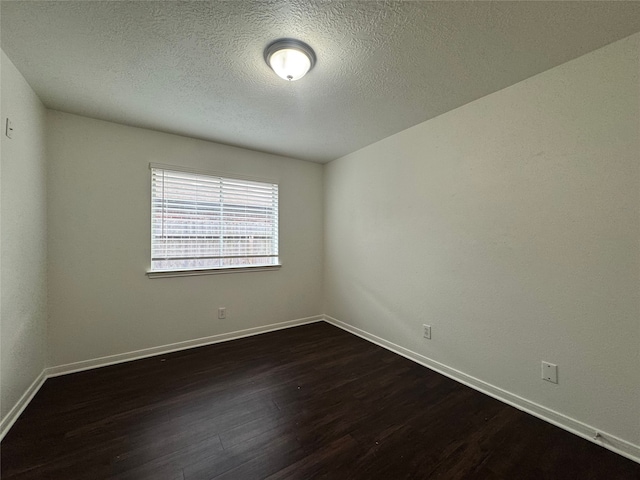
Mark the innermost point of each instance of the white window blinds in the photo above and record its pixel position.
(206, 222)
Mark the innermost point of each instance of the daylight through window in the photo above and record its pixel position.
(202, 222)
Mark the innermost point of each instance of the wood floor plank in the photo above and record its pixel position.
(306, 402)
(330, 460)
(255, 458)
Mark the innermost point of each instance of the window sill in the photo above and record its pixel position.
(210, 271)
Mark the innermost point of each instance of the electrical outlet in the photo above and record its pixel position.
(222, 313)
(550, 372)
(426, 331)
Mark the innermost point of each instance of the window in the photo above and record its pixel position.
(203, 223)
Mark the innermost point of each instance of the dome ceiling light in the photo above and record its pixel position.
(290, 59)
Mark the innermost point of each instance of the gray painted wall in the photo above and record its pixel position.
(511, 226)
(100, 300)
(23, 258)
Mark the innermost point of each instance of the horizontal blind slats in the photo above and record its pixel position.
(200, 220)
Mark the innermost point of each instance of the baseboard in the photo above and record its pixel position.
(173, 347)
(8, 421)
(11, 417)
(606, 440)
(18, 408)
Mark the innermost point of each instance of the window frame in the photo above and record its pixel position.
(209, 270)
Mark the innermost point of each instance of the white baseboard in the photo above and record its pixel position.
(11, 417)
(8, 421)
(174, 347)
(606, 440)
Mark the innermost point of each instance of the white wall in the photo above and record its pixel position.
(511, 225)
(101, 302)
(23, 239)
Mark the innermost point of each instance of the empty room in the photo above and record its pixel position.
(319, 239)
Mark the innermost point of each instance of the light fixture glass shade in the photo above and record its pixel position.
(290, 64)
(290, 59)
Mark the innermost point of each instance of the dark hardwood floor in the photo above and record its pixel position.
(307, 402)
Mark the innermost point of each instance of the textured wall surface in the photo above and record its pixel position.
(196, 68)
(99, 198)
(23, 262)
(511, 226)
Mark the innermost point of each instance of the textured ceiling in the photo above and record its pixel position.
(196, 68)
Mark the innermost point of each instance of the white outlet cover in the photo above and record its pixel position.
(427, 331)
(550, 372)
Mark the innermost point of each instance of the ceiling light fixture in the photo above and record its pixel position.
(290, 59)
